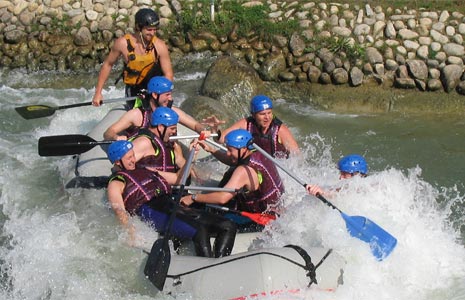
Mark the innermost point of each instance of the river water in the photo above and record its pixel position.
(59, 243)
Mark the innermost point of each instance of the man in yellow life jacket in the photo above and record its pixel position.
(144, 54)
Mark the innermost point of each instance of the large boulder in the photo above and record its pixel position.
(83, 37)
(273, 65)
(201, 107)
(233, 83)
(450, 77)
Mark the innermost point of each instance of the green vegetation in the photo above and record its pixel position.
(230, 16)
(336, 45)
(352, 50)
(63, 24)
(431, 53)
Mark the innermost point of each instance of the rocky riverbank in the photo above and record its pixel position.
(336, 44)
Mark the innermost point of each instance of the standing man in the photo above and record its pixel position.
(267, 130)
(144, 54)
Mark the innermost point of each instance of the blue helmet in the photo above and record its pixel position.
(353, 163)
(259, 103)
(165, 116)
(159, 85)
(118, 149)
(239, 138)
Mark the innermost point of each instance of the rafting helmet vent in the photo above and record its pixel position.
(146, 17)
(239, 138)
(118, 149)
(353, 163)
(164, 116)
(159, 85)
(259, 103)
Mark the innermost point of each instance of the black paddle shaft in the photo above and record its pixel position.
(159, 258)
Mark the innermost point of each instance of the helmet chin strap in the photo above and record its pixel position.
(157, 100)
(240, 158)
(142, 39)
(148, 47)
(162, 134)
(170, 103)
(122, 166)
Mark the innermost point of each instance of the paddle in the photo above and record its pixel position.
(208, 188)
(39, 111)
(259, 218)
(381, 242)
(221, 147)
(159, 258)
(57, 145)
(70, 144)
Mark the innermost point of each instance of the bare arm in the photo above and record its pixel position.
(165, 60)
(241, 124)
(127, 120)
(243, 176)
(115, 197)
(180, 160)
(287, 139)
(314, 190)
(188, 120)
(105, 70)
(142, 147)
(217, 153)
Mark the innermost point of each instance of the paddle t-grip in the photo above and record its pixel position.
(202, 136)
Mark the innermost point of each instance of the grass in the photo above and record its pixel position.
(62, 25)
(232, 15)
(336, 45)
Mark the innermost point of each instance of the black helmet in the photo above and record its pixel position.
(146, 17)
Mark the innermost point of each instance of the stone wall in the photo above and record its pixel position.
(408, 49)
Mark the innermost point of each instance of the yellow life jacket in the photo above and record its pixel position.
(139, 65)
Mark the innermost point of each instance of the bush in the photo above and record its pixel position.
(249, 20)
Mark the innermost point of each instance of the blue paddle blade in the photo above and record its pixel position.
(381, 242)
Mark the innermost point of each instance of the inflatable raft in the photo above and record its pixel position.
(246, 275)
(243, 275)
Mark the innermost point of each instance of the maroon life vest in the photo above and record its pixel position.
(164, 158)
(140, 187)
(268, 141)
(270, 189)
(134, 130)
